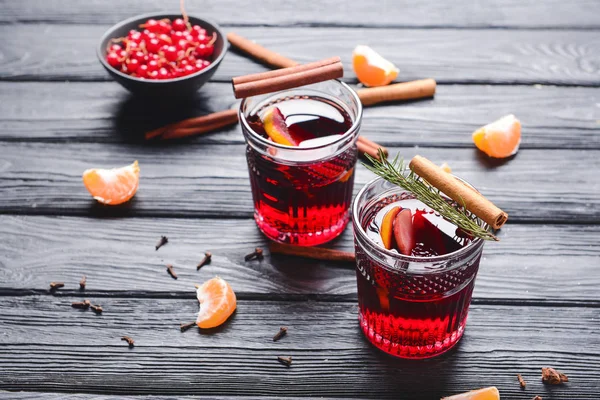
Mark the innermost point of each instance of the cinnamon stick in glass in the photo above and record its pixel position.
(473, 201)
(315, 253)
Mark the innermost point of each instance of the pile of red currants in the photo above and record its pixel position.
(163, 50)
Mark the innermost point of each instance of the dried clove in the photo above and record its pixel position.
(256, 254)
(84, 305)
(171, 271)
(522, 382)
(185, 327)
(553, 377)
(82, 283)
(56, 285)
(287, 361)
(97, 309)
(129, 340)
(204, 261)
(163, 240)
(280, 334)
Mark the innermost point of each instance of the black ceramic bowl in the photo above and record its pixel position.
(178, 87)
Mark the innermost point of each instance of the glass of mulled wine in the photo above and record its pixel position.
(415, 272)
(301, 153)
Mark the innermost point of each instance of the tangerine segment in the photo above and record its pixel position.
(500, 138)
(217, 302)
(489, 393)
(387, 224)
(446, 168)
(274, 125)
(372, 69)
(112, 186)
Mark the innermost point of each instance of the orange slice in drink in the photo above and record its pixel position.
(386, 230)
(372, 69)
(112, 186)
(490, 393)
(217, 303)
(274, 125)
(500, 138)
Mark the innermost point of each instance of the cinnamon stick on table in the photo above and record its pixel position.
(315, 253)
(195, 126)
(473, 201)
(287, 78)
(258, 52)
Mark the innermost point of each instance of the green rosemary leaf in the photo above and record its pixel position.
(397, 173)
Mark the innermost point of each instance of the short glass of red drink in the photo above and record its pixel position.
(413, 302)
(301, 153)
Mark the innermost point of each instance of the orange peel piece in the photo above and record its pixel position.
(217, 303)
(489, 393)
(386, 230)
(371, 68)
(499, 139)
(112, 186)
(274, 125)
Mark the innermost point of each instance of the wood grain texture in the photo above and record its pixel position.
(447, 55)
(552, 117)
(83, 353)
(549, 263)
(212, 180)
(90, 396)
(406, 13)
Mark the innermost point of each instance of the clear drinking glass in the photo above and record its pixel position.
(302, 195)
(409, 307)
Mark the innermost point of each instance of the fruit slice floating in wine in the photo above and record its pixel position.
(217, 303)
(386, 230)
(275, 127)
(489, 393)
(404, 233)
(112, 186)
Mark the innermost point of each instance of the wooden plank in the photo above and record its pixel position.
(47, 345)
(212, 180)
(448, 55)
(91, 396)
(552, 117)
(489, 13)
(118, 257)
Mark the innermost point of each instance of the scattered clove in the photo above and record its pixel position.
(280, 334)
(204, 261)
(287, 361)
(129, 340)
(522, 382)
(84, 305)
(163, 240)
(171, 271)
(537, 398)
(56, 285)
(97, 309)
(256, 254)
(553, 377)
(185, 327)
(82, 283)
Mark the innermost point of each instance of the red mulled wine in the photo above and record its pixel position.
(413, 296)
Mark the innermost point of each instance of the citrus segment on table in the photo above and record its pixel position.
(489, 393)
(112, 186)
(386, 230)
(217, 303)
(372, 69)
(276, 128)
(500, 138)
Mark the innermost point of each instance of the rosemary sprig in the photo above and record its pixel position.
(397, 173)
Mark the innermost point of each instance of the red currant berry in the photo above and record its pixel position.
(152, 65)
(176, 35)
(134, 35)
(200, 65)
(113, 59)
(148, 35)
(122, 54)
(115, 48)
(132, 65)
(152, 25)
(171, 53)
(188, 70)
(202, 39)
(183, 44)
(165, 39)
(138, 55)
(164, 27)
(204, 50)
(153, 45)
(197, 31)
(142, 71)
(163, 73)
(179, 25)
(189, 37)
(152, 75)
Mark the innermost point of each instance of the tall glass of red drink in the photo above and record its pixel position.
(302, 190)
(412, 304)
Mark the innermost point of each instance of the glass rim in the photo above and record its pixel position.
(359, 230)
(354, 128)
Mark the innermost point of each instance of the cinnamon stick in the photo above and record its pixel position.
(288, 78)
(459, 192)
(366, 146)
(398, 91)
(258, 52)
(315, 253)
(196, 125)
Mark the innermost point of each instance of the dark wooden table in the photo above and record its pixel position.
(536, 301)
